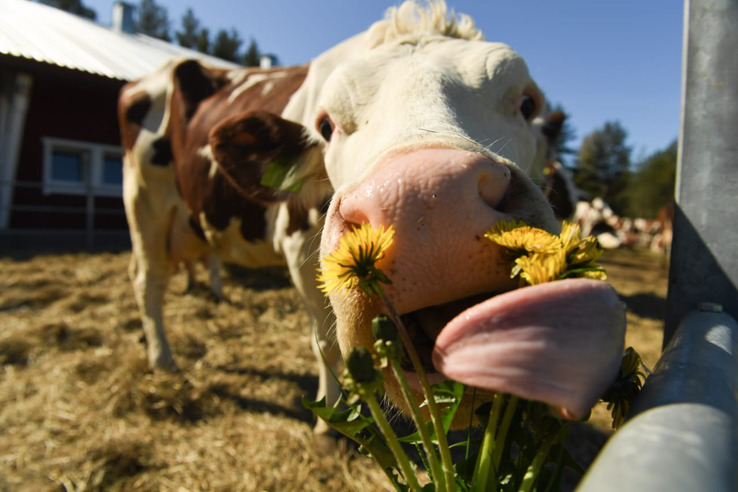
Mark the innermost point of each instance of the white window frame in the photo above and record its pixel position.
(92, 172)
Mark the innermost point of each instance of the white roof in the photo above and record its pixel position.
(38, 32)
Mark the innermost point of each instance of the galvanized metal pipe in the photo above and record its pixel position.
(681, 434)
(704, 260)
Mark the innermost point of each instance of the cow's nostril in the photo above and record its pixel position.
(352, 211)
(493, 184)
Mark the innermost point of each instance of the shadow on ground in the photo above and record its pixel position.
(646, 305)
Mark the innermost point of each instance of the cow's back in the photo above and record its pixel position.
(170, 173)
(239, 226)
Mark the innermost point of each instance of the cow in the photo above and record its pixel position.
(598, 219)
(180, 128)
(558, 183)
(661, 242)
(417, 123)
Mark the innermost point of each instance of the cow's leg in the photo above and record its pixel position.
(215, 266)
(190, 272)
(149, 287)
(150, 267)
(158, 351)
(302, 261)
(328, 356)
(132, 268)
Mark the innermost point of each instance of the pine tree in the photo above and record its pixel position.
(603, 165)
(226, 45)
(652, 185)
(252, 57)
(153, 20)
(75, 7)
(188, 35)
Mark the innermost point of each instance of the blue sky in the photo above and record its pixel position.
(602, 60)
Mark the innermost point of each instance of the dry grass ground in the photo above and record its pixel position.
(79, 409)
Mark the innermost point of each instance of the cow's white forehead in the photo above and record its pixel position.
(442, 88)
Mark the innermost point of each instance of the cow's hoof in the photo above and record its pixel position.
(328, 443)
(164, 364)
(221, 298)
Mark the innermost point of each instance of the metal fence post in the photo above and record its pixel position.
(682, 434)
(89, 205)
(704, 260)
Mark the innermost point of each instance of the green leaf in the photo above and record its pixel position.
(347, 422)
(281, 175)
(465, 468)
(356, 426)
(415, 438)
(451, 392)
(577, 272)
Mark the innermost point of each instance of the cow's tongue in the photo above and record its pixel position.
(560, 343)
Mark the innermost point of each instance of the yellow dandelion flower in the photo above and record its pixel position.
(595, 274)
(507, 225)
(544, 257)
(625, 389)
(517, 236)
(586, 251)
(570, 235)
(353, 261)
(540, 268)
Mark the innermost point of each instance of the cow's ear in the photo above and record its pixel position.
(552, 125)
(560, 190)
(194, 83)
(261, 154)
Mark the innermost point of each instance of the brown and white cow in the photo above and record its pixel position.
(181, 128)
(416, 123)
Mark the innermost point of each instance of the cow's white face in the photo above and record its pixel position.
(434, 136)
(436, 140)
(464, 94)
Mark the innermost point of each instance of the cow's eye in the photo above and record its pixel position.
(325, 127)
(527, 107)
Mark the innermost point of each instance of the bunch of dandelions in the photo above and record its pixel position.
(354, 264)
(539, 437)
(540, 257)
(544, 257)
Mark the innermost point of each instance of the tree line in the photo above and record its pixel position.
(604, 167)
(153, 20)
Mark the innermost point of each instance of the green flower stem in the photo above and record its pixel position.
(535, 467)
(412, 404)
(556, 480)
(448, 466)
(512, 404)
(471, 422)
(392, 442)
(484, 460)
(363, 442)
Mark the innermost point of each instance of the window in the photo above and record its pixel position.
(68, 166)
(112, 170)
(73, 167)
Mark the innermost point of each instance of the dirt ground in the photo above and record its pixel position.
(79, 409)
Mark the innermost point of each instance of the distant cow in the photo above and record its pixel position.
(598, 219)
(661, 241)
(416, 123)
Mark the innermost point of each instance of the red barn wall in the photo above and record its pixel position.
(68, 105)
